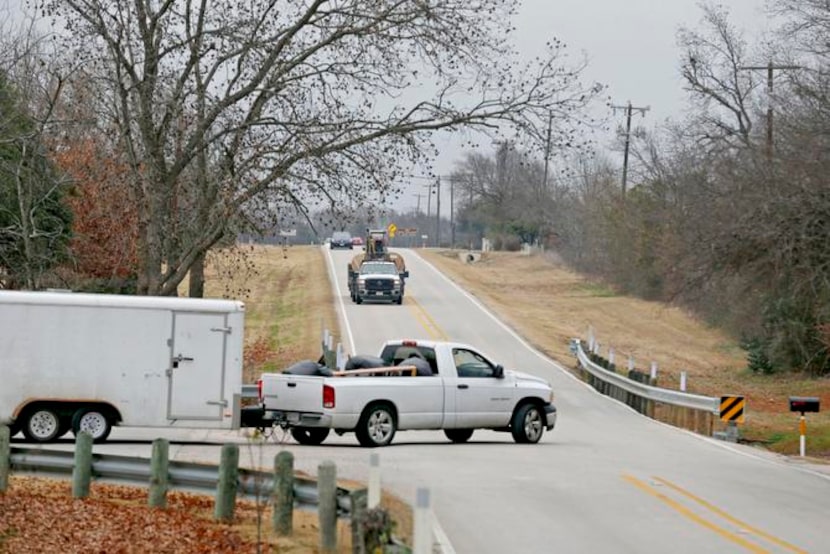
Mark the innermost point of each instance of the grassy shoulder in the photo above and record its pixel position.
(548, 305)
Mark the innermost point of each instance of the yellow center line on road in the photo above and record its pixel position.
(730, 518)
(686, 512)
(432, 328)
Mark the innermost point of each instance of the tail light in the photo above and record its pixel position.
(328, 396)
(259, 389)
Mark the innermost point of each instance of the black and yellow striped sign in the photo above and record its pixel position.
(732, 408)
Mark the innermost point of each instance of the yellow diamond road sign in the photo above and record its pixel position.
(391, 229)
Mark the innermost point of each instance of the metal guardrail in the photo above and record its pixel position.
(656, 394)
(184, 476)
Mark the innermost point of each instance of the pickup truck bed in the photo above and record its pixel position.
(464, 391)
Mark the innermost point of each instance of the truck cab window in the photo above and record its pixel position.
(471, 364)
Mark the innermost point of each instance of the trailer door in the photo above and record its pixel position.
(197, 366)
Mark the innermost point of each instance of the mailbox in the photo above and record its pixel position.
(804, 404)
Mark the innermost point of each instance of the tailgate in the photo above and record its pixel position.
(293, 393)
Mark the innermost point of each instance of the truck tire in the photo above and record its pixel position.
(42, 424)
(377, 426)
(358, 299)
(528, 424)
(94, 421)
(399, 301)
(458, 436)
(309, 436)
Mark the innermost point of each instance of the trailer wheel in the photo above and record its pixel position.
(309, 436)
(94, 421)
(42, 424)
(528, 424)
(458, 435)
(377, 426)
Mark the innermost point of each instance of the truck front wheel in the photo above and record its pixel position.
(309, 436)
(377, 426)
(94, 421)
(528, 424)
(42, 425)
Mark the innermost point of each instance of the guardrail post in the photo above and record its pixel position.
(327, 507)
(421, 526)
(82, 469)
(5, 457)
(358, 500)
(282, 517)
(228, 483)
(159, 476)
(683, 381)
(374, 480)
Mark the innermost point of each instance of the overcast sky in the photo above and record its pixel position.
(630, 45)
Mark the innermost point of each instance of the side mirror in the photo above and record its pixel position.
(405, 274)
(498, 372)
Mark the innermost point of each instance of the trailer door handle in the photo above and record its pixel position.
(292, 385)
(463, 386)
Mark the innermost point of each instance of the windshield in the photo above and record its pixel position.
(378, 269)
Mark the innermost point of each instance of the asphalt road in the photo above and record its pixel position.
(606, 479)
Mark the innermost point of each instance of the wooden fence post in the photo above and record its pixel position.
(327, 507)
(282, 517)
(159, 477)
(82, 470)
(5, 457)
(358, 500)
(228, 482)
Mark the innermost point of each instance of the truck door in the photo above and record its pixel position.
(197, 367)
(481, 400)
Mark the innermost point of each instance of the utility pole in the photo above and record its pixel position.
(628, 111)
(547, 149)
(452, 213)
(429, 197)
(438, 212)
(769, 68)
(418, 195)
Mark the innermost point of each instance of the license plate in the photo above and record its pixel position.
(293, 417)
(378, 293)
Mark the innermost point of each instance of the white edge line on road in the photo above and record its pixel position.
(340, 304)
(557, 365)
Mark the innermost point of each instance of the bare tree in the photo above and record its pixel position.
(34, 222)
(720, 91)
(220, 104)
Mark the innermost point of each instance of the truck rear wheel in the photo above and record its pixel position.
(528, 424)
(310, 436)
(458, 435)
(94, 421)
(377, 426)
(42, 424)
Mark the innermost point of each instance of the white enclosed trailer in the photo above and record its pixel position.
(72, 361)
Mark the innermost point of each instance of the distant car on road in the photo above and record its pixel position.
(341, 239)
(357, 241)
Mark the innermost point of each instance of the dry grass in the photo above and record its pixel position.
(549, 304)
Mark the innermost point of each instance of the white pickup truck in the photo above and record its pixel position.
(418, 385)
